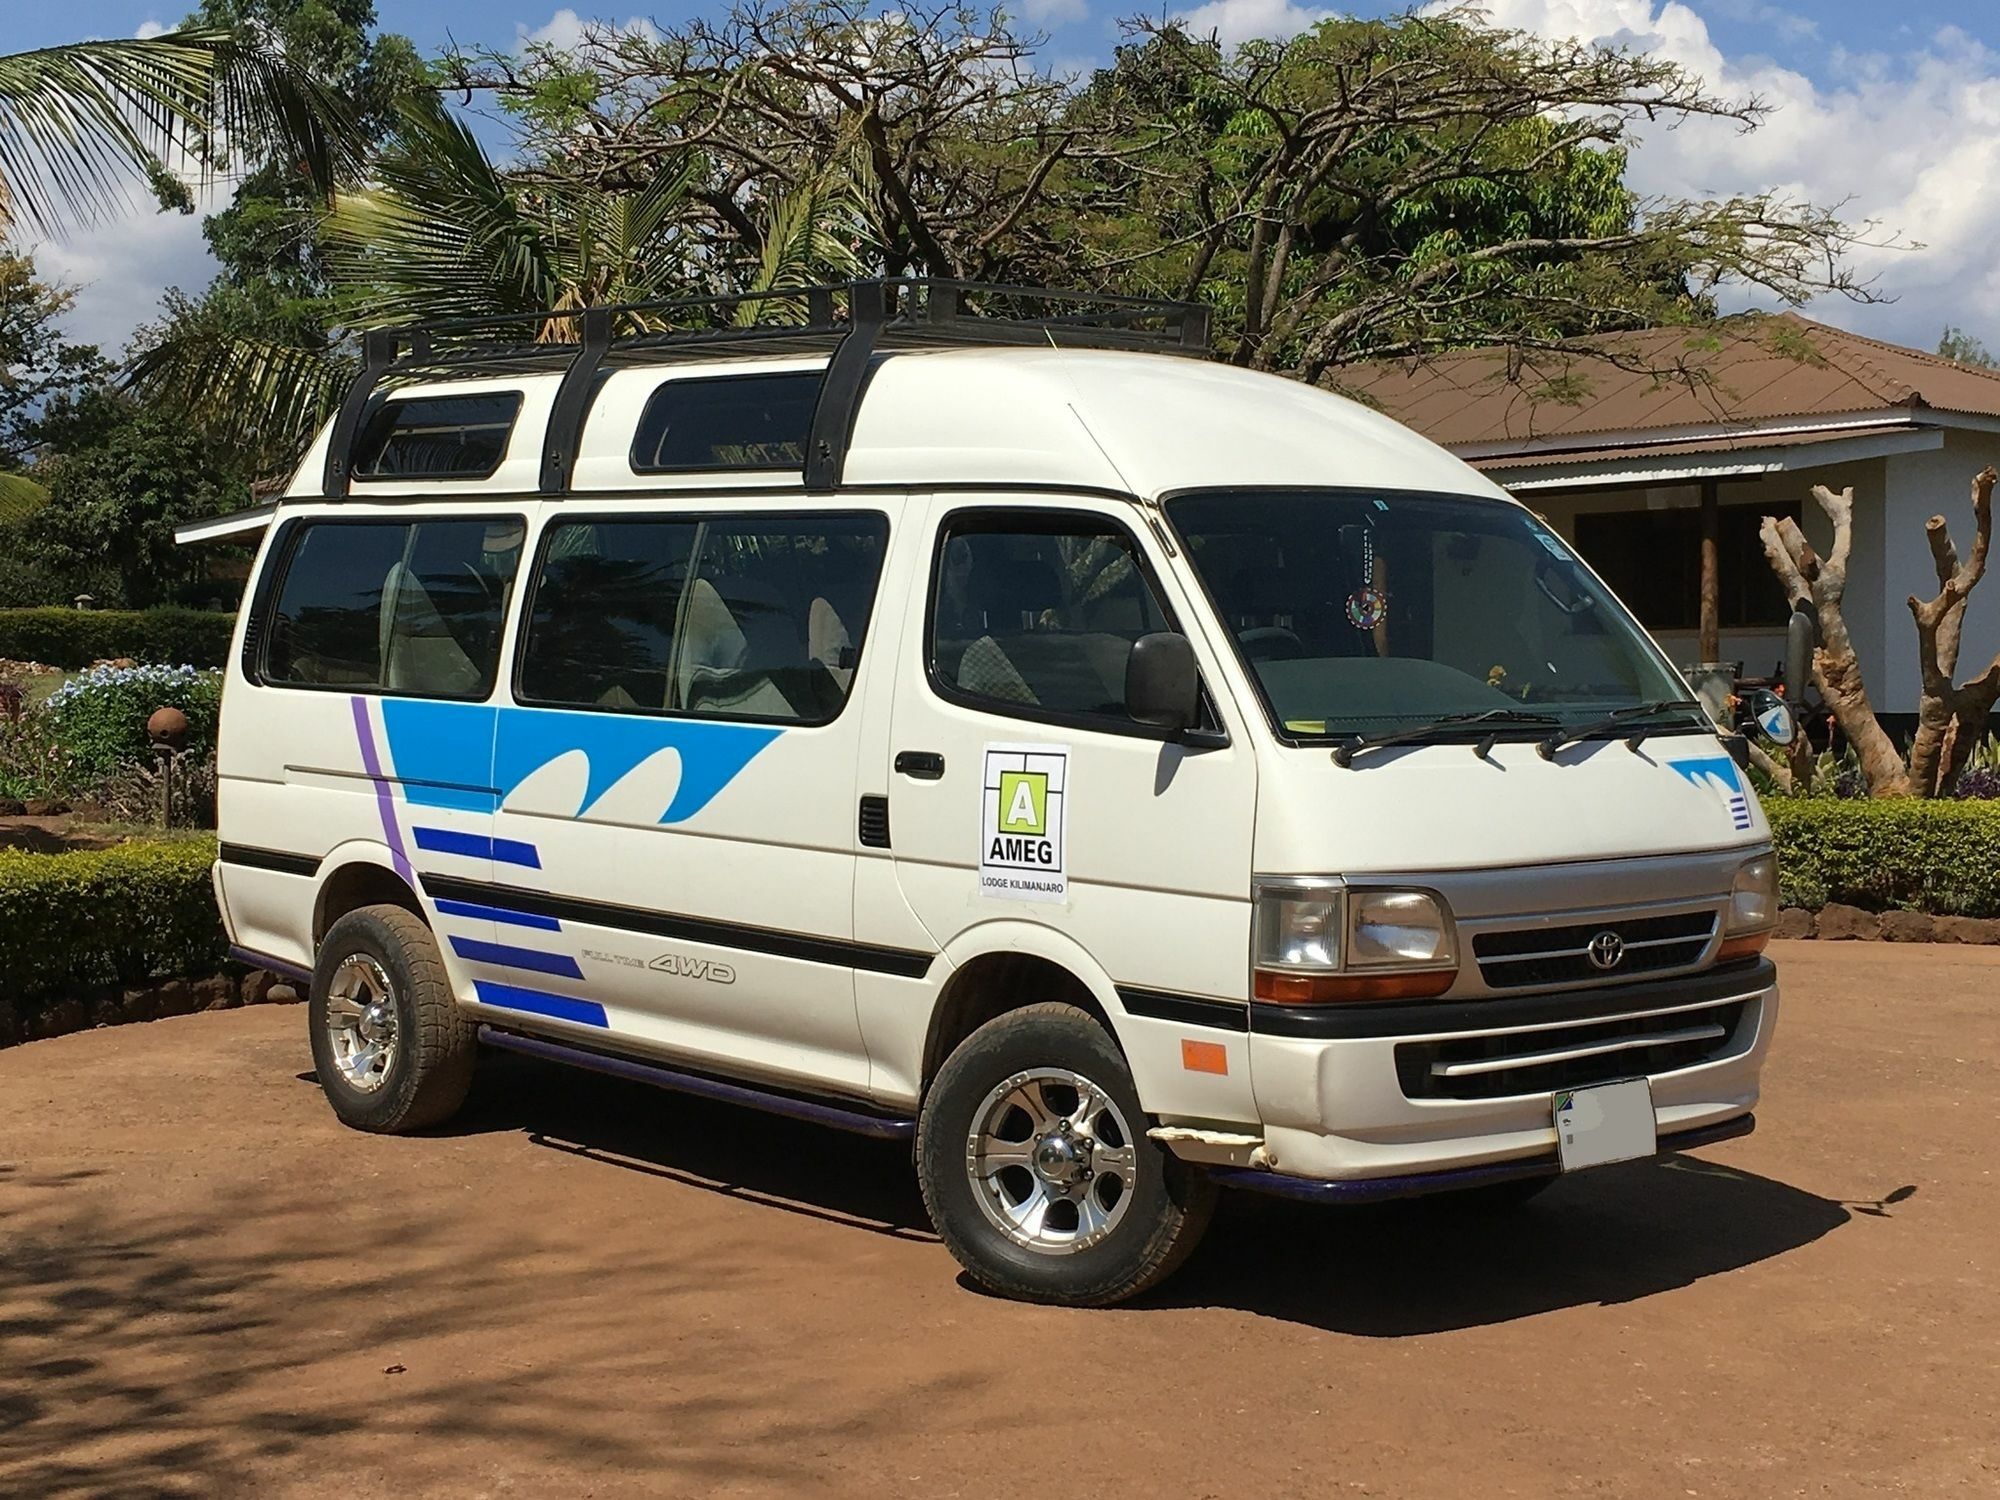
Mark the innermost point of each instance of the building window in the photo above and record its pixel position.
(728, 422)
(1036, 613)
(744, 617)
(1652, 560)
(440, 437)
(409, 608)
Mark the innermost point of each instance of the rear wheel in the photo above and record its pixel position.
(1037, 1171)
(392, 1049)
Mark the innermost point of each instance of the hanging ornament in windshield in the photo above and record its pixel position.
(1367, 606)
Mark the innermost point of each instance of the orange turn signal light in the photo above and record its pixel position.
(1280, 988)
(1748, 946)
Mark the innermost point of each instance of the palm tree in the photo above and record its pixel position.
(79, 124)
(441, 232)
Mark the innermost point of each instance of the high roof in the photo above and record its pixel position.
(1719, 386)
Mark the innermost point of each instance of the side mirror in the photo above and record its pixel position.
(1162, 683)
(1801, 635)
(1775, 718)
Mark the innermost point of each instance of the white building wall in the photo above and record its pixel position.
(1919, 486)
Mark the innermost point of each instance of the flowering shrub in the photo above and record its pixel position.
(98, 718)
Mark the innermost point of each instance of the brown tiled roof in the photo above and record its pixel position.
(1757, 369)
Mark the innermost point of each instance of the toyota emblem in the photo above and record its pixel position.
(1607, 950)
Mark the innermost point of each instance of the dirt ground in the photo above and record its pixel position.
(207, 1287)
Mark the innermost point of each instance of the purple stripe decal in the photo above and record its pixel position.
(385, 799)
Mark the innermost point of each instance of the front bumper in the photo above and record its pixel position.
(1341, 1106)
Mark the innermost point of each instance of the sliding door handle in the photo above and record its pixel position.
(924, 765)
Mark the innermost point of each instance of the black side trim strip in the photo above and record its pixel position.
(1402, 1018)
(250, 958)
(1189, 1010)
(900, 962)
(269, 859)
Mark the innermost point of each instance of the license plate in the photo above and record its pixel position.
(1611, 1122)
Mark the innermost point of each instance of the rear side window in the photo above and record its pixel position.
(437, 437)
(732, 422)
(410, 608)
(1036, 613)
(741, 617)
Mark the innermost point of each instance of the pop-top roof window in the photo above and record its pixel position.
(438, 437)
(728, 422)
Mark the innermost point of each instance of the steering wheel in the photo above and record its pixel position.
(1272, 643)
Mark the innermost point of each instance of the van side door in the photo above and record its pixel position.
(680, 758)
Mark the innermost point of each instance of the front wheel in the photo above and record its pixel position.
(1036, 1168)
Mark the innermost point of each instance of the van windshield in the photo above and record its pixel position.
(1366, 613)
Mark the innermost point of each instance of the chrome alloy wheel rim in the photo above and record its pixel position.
(361, 1022)
(1052, 1160)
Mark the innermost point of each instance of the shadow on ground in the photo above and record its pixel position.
(1613, 1235)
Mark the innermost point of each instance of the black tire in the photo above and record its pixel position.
(1169, 1203)
(429, 1069)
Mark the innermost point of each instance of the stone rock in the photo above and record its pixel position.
(218, 993)
(46, 807)
(58, 1018)
(1839, 923)
(12, 807)
(174, 997)
(284, 992)
(139, 1005)
(1906, 926)
(105, 1009)
(1965, 929)
(256, 986)
(1795, 922)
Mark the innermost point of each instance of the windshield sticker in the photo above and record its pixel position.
(1023, 798)
(1550, 544)
(1719, 773)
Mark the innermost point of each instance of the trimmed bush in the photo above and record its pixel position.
(99, 717)
(71, 923)
(1892, 854)
(73, 638)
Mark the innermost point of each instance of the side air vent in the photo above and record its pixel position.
(875, 822)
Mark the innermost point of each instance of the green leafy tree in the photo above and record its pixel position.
(1961, 347)
(37, 364)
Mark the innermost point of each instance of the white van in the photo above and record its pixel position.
(1116, 774)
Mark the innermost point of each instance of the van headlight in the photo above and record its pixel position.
(1317, 941)
(1753, 908)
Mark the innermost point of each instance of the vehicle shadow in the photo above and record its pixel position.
(1392, 1270)
(1615, 1234)
(787, 1165)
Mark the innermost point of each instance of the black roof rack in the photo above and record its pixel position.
(853, 319)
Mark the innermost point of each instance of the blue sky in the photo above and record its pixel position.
(1899, 119)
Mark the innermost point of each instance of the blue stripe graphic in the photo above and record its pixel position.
(477, 846)
(498, 914)
(540, 1003)
(508, 956)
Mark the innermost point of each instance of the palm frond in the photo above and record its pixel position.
(441, 234)
(80, 124)
(809, 235)
(269, 398)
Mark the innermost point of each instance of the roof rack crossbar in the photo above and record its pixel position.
(840, 392)
(378, 354)
(572, 403)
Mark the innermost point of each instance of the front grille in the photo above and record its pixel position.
(1528, 956)
(1567, 1057)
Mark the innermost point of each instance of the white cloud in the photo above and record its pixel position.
(149, 29)
(1055, 12)
(1242, 20)
(566, 30)
(1910, 140)
(120, 267)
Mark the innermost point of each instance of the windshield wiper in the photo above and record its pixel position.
(1618, 719)
(1344, 755)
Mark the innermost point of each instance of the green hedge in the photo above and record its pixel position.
(72, 638)
(1900, 853)
(81, 921)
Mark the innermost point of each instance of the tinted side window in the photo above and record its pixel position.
(413, 608)
(1039, 612)
(751, 617)
(735, 422)
(440, 437)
